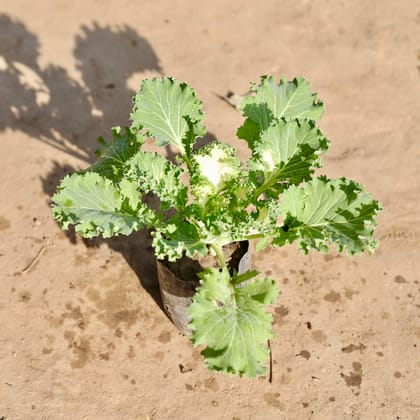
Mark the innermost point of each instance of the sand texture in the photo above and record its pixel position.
(82, 335)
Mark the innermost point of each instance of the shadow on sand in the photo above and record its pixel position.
(50, 106)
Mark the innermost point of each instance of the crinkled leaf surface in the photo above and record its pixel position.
(114, 154)
(155, 173)
(177, 238)
(168, 110)
(325, 212)
(96, 206)
(287, 152)
(130, 190)
(216, 168)
(232, 322)
(224, 227)
(227, 202)
(288, 100)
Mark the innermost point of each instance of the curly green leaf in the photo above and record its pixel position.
(288, 100)
(97, 207)
(168, 111)
(178, 238)
(156, 174)
(216, 178)
(232, 322)
(287, 153)
(325, 212)
(114, 154)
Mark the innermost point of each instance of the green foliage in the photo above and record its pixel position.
(287, 100)
(325, 212)
(216, 172)
(287, 153)
(232, 323)
(156, 174)
(178, 237)
(113, 155)
(98, 207)
(208, 198)
(168, 110)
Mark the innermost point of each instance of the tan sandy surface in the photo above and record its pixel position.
(82, 335)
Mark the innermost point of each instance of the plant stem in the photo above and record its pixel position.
(255, 236)
(272, 179)
(219, 254)
(267, 184)
(188, 162)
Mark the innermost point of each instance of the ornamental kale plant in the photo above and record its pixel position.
(208, 199)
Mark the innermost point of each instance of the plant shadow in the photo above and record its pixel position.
(50, 106)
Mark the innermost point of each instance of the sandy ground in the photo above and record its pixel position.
(82, 333)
